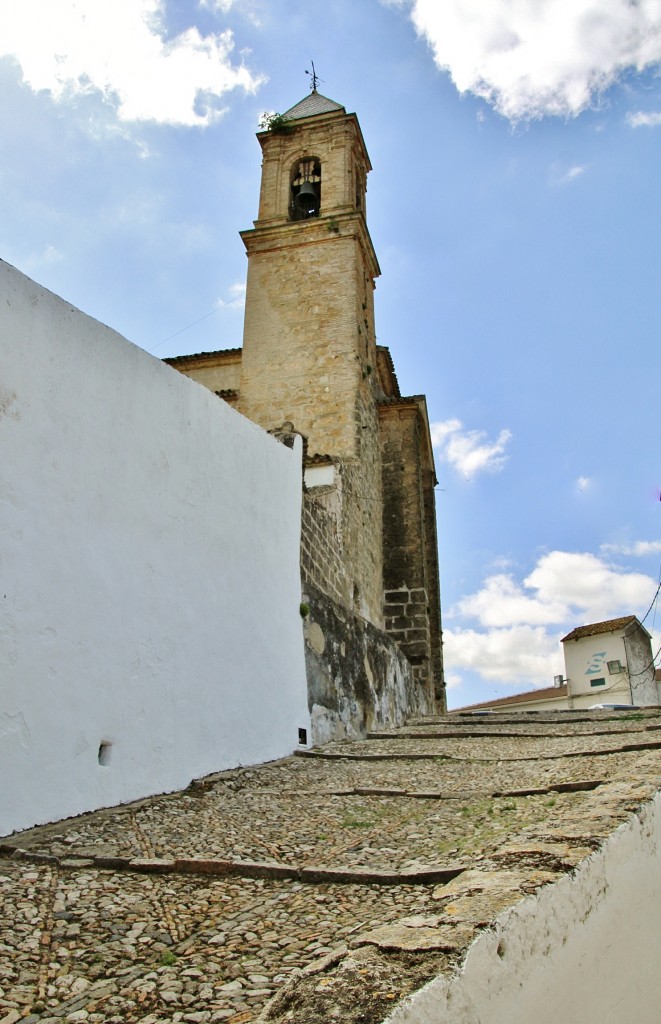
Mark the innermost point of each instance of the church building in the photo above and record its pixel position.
(310, 365)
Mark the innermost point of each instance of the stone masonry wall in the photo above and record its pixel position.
(407, 621)
(321, 545)
(334, 556)
(309, 349)
(218, 371)
(301, 346)
(358, 679)
(336, 141)
(407, 584)
(434, 588)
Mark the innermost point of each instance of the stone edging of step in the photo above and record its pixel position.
(624, 748)
(245, 869)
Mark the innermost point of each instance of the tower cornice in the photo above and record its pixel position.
(267, 137)
(276, 234)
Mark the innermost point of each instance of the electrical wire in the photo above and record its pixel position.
(221, 305)
(647, 667)
(652, 604)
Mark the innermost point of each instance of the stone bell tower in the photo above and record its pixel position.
(309, 348)
(310, 364)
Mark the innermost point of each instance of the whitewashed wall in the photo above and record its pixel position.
(149, 579)
(585, 949)
(587, 659)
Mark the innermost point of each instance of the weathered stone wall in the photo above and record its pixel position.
(336, 140)
(640, 662)
(407, 621)
(358, 679)
(412, 602)
(434, 587)
(321, 545)
(309, 351)
(333, 555)
(302, 357)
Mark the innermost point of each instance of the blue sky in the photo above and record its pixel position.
(514, 207)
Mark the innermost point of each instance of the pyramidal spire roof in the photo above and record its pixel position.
(313, 104)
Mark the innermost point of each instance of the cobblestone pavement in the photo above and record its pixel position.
(316, 888)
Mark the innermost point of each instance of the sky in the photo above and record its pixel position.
(514, 206)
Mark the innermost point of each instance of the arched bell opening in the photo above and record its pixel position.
(305, 190)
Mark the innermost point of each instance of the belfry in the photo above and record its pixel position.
(310, 365)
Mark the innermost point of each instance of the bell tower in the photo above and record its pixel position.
(309, 347)
(310, 365)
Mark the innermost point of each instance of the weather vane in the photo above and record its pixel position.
(314, 77)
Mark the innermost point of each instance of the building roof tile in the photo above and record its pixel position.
(176, 360)
(517, 698)
(313, 104)
(608, 626)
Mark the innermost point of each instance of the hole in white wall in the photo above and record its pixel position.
(105, 751)
(303, 736)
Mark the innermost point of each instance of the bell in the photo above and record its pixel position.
(306, 199)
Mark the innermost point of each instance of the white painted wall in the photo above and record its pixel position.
(585, 949)
(320, 476)
(586, 660)
(641, 669)
(149, 580)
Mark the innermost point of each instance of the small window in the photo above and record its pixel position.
(597, 682)
(305, 191)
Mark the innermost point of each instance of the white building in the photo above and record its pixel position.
(610, 662)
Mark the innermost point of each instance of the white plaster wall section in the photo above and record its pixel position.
(320, 476)
(149, 606)
(584, 949)
(586, 664)
(640, 663)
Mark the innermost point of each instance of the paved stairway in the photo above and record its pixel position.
(324, 886)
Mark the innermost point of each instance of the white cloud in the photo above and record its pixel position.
(641, 120)
(238, 296)
(564, 587)
(117, 50)
(565, 177)
(506, 634)
(503, 602)
(592, 588)
(221, 6)
(250, 8)
(583, 483)
(52, 254)
(552, 57)
(522, 655)
(639, 548)
(468, 451)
